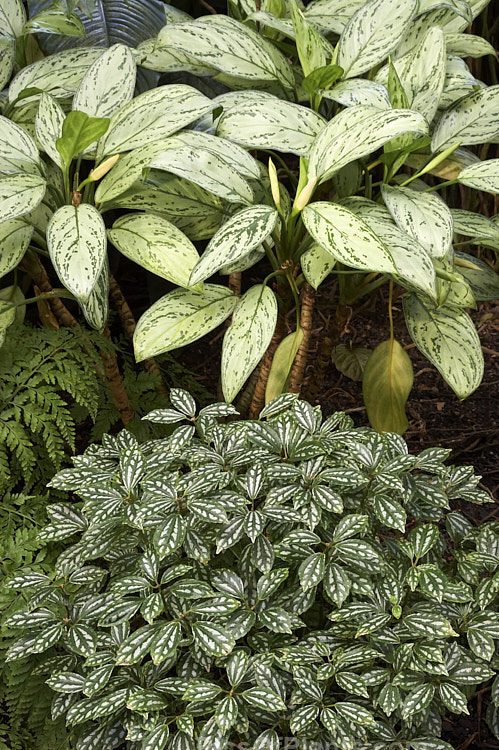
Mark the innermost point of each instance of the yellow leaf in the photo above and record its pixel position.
(386, 385)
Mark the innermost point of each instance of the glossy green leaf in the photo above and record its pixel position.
(155, 244)
(180, 317)
(308, 42)
(79, 131)
(247, 338)
(448, 338)
(386, 385)
(213, 639)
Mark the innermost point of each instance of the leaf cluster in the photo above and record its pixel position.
(247, 581)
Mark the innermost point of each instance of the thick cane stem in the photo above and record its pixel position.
(334, 331)
(298, 368)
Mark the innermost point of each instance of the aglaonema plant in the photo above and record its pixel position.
(262, 584)
(181, 161)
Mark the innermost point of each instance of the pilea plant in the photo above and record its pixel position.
(349, 211)
(261, 581)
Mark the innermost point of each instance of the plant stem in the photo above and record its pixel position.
(305, 323)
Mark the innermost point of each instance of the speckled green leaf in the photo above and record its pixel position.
(448, 338)
(180, 317)
(96, 308)
(244, 232)
(212, 638)
(468, 45)
(127, 170)
(15, 236)
(308, 42)
(236, 156)
(152, 116)
(58, 75)
(12, 18)
(483, 280)
(356, 133)
(386, 385)
(7, 59)
(227, 45)
(206, 169)
(473, 119)
(356, 91)
(264, 121)
(348, 238)
(331, 16)
(18, 150)
(372, 33)
(108, 83)
(154, 54)
(155, 244)
(20, 194)
(48, 126)
(482, 176)
(76, 239)
(316, 264)
(247, 338)
(423, 216)
(351, 360)
(453, 698)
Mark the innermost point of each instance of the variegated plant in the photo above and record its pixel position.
(262, 584)
(312, 84)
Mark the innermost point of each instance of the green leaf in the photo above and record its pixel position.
(81, 640)
(423, 538)
(170, 535)
(483, 175)
(264, 699)
(430, 625)
(336, 584)
(226, 713)
(470, 673)
(247, 338)
(351, 360)
(153, 116)
(356, 132)
(423, 216)
(213, 639)
(321, 78)
(390, 512)
(108, 83)
(66, 682)
(368, 39)
(387, 382)
(268, 740)
(302, 717)
(448, 338)
(481, 644)
(54, 21)
(242, 233)
(389, 699)
(359, 91)
(311, 571)
(352, 683)
(15, 236)
(7, 60)
(136, 645)
(472, 119)
(417, 700)
(79, 131)
(157, 739)
(12, 18)
(127, 171)
(282, 363)
(354, 712)
(308, 42)
(76, 239)
(348, 238)
(180, 317)
(155, 244)
(261, 120)
(20, 194)
(96, 308)
(482, 279)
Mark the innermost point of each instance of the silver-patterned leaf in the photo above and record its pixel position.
(247, 338)
(356, 91)
(212, 638)
(424, 216)
(76, 239)
(331, 16)
(12, 18)
(127, 170)
(15, 236)
(372, 33)
(347, 237)
(7, 60)
(180, 317)
(264, 121)
(48, 126)
(155, 244)
(18, 150)
(483, 280)
(58, 75)
(108, 83)
(473, 119)
(206, 169)
(482, 176)
(468, 45)
(357, 132)
(20, 194)
(448, 338)
(241, 234)
(96, 308)
(316, 264)
(153, 116)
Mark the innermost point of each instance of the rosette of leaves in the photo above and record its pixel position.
(181, 163)
(248, 581)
